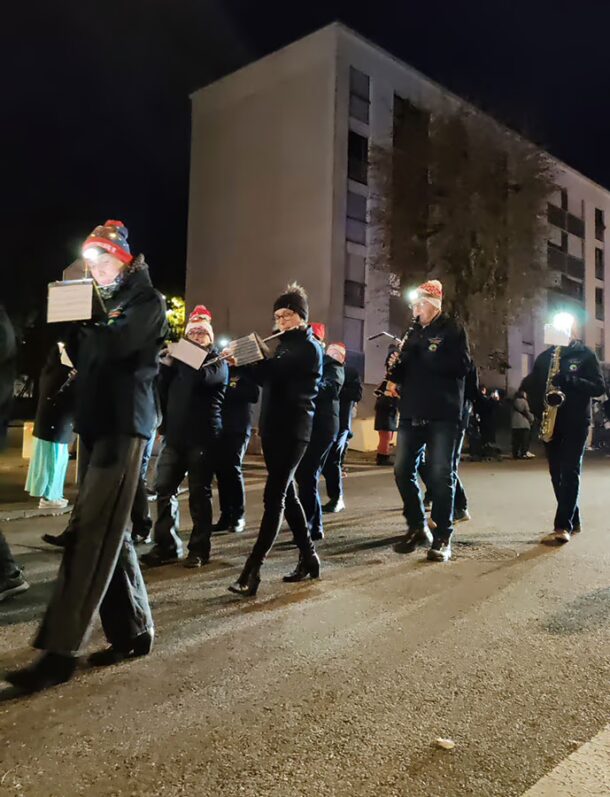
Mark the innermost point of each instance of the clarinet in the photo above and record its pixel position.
(387, 387)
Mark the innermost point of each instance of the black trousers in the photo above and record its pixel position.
(282, 457)
(229, 474)
(8, 566)
(308, 478)
(564, 454)
(141, 521)
(332, 469)
(173, 465)
(99, 569)
(521, 442)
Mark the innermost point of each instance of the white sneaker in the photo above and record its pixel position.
(440, 552)
(561, 535)
(529, 455)
(61, 503)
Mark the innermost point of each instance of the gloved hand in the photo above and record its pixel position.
(563, 380)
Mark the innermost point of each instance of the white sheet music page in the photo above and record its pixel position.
(188, 353)
(246, 350)
(70, 301)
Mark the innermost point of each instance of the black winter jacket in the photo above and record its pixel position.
(117, 361)
(55, 410)
(431, 371)
(290, 382)
(8, 354)
(191, 402)
(580, 378)
(351, 393)
(240, 398)
(326, 418)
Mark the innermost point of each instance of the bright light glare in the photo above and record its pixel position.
(223, 342)
(413, 295)
(563, 322)
(91, 254)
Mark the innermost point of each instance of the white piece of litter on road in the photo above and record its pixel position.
(445, 744)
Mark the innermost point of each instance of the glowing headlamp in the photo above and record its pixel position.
(563, 322)
(91, 253)
(413, 295)
(223, 342)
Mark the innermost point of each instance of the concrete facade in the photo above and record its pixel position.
(278, 194)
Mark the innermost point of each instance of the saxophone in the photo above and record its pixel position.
(553, 399)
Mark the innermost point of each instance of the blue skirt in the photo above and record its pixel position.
(47, 471)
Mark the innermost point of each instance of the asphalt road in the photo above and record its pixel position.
(339, 687)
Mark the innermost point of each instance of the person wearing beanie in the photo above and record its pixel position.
(191, 405)
(430, 371)
(116, 360)
(324, 431)
(290, 381)
(351, 394)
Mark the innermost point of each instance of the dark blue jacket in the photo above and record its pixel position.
(240, 398)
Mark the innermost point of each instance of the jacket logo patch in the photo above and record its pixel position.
(573, 366)
(434, 344)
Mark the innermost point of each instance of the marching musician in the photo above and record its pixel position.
(116, 361)
(574, 375)
(430, 370)
(191, 405)
(241, 396)
(324, 431)
(290, 381)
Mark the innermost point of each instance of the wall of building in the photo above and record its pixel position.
(260, 212)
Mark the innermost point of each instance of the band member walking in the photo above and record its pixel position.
(351, 394)
(191, 405)
(430, 371)
(560, 388)
(290, 382)
(116, 362)
(324, 431)
(241, 396)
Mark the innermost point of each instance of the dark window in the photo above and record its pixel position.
(556, 259)
(576, 226)
(576, 267)
(354, 293)
(356, 206)
(571, 288)
(600, 225)
(599, 263)
(556, 216)
(357, 158)
(599, 304)
(353, 333)
(359, 95)
(564, 198)
(355, 231)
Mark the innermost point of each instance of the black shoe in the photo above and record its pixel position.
(13, 585)
(158, 557)
(413, 539)
(58, 540)
(317, 535)
(305, 567)
(383, 459)
(440, 551)
(140, 646)
(194, 560)
(247, 584)
(337, 505)
(238, 525)
(222, 524)
(141, 539)
(51, 669)
(461, 516)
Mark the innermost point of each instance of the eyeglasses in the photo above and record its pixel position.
(285, 316)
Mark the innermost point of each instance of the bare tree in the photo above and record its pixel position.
(460, 199)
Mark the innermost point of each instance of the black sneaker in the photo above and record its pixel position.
(238, 526)
(222, 524)
(413, 539)
(57, 540)
(440, 551)
(461, 516)
(49, 670)
(158, 557)
(334, 506)
(196, 560)
(13, 585)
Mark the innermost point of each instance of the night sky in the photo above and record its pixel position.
(96, 110)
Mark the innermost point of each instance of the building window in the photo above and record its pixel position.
(556, 216)
(599, 304)
(354, 293)
(356, 218)
(564, 198)
(576, 267)
(570, 287)
(355, 267)
(353, 333)
(359, 95)
(576, 226)
(599, 263)
(600, 225)
(357, 158)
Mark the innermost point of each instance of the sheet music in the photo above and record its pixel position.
(70, 301)
(246, 350)
(188, 353)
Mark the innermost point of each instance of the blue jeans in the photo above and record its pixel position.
(438, 439)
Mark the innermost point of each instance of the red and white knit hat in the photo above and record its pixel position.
(431, 291)
(200, 318)
(337, 351)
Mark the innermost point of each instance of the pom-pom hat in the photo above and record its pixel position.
(431, 291)
(112, 238)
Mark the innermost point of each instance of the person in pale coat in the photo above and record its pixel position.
(522, 420)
